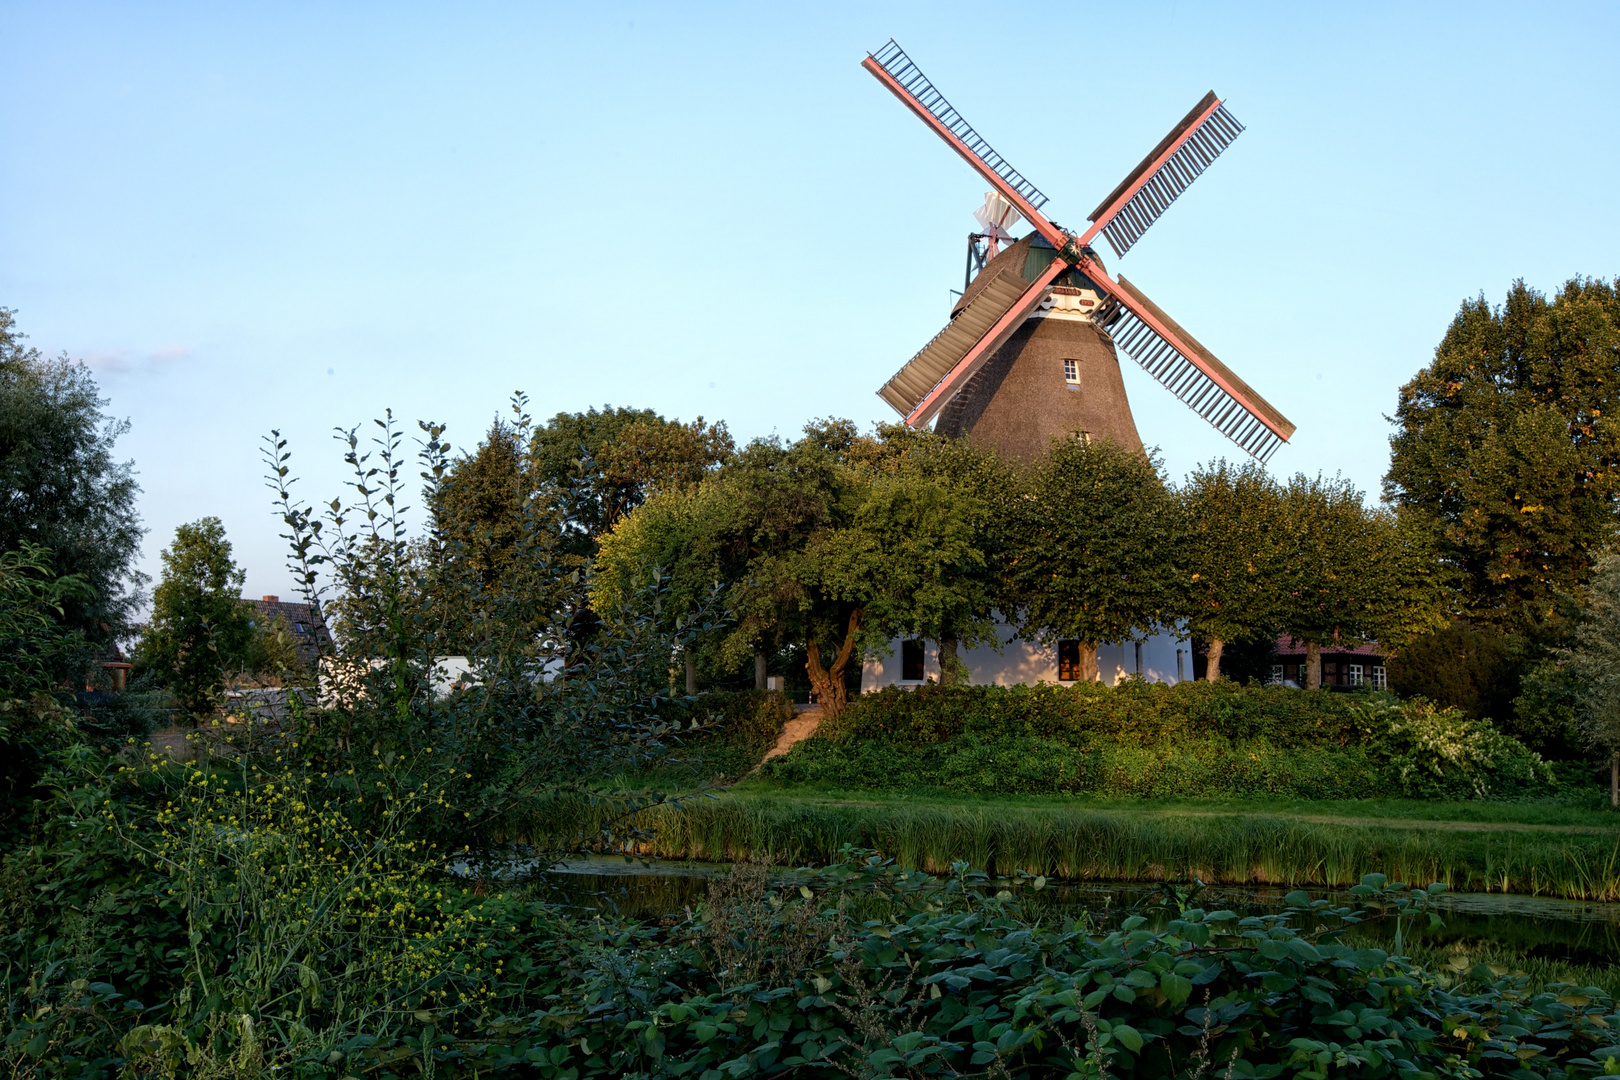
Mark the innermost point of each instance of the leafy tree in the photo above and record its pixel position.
(992, 487)
(580, 472)
(37, 653)
(1549, 714)
(834, 541)
(478, 509)
(1236, 550)
(1101, 552)
(199, 629)
(549, 722)
(605, 464)
(1354, 573)
(61, 488)
(1508, 449)
(1594, 660)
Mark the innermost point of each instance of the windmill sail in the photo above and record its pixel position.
(1179, 159)
(920, 389)
(1207, 386)
(894, 69)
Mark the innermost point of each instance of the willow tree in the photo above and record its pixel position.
(1100, 549)
(1237, 544)
(1507, 449)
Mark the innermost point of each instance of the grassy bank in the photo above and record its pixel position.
(1539, 849)
(1152, 740)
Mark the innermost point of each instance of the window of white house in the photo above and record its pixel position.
(911, 661)
(1276, 675)
(1380, 681)
(1071, 372)
(1068, 661)
(1353, 674)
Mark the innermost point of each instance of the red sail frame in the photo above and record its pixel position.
(1071, 251)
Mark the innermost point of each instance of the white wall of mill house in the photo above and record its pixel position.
(1028, 663)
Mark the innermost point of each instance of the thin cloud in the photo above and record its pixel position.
(131, 361)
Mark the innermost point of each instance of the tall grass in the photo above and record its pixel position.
(1079, 843)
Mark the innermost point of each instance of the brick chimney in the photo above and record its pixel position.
(271, 599)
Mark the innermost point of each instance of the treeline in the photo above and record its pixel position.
(839, 542)
(1506, 452)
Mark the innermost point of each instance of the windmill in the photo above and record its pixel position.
(1030, 351)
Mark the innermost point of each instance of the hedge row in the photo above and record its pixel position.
(1153, 740)
(1140, 713)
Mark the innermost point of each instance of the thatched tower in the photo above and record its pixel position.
(1057, 375)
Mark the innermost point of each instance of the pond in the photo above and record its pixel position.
(1541, 928)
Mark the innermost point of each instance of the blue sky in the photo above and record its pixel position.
(248, 217)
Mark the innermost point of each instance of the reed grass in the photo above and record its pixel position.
(1085, 843)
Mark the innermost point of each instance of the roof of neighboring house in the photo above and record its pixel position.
(304, 620)
(1292, 646)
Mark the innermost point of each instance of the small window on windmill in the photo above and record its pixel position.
(1071, 374)
(1068, 661)
(911, 661)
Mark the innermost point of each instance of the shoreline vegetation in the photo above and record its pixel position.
(1539, 849)
(1446, 799)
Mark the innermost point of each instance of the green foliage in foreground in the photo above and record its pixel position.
(732, 731)
(1193, 738)
(247, 932)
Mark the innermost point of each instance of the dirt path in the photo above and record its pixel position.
(806, 718)
(1314, 819)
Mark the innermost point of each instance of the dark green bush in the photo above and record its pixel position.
(1474, 669)
(1030, 765)
(1548, 713)
(1132, 713)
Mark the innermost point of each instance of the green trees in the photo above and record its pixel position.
(1101, 549)
(61, 488)
(1595, 662)
(37, 653)
(529, 494)
(1354, 573)
(1508, 449)
(835, 541)
(1237, 546)
(478, 507)
(199, 629)
(840, 543)
(605, 464)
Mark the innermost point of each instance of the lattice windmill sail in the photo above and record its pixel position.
(1055, 275)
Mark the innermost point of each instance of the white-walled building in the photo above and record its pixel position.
(1162, 658)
